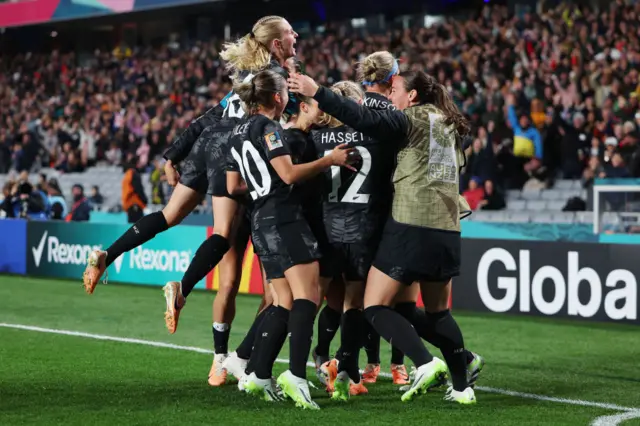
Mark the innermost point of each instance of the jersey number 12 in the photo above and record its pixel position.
(351, 195)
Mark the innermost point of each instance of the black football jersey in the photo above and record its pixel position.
(232, 104)
(377, 101)
(355, 204)
(303, 151)
(255, 141)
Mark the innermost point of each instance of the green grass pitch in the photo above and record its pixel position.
(538, 371)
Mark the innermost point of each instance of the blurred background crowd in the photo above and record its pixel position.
(551, 94)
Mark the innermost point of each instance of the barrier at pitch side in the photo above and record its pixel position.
(60, 249)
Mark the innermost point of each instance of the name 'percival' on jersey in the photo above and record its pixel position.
(355, 204)
(255, 141)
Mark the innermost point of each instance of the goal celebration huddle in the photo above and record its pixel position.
(350, 195)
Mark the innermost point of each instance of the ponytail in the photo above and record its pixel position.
(253, 51)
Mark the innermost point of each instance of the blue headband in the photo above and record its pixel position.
(394, 71)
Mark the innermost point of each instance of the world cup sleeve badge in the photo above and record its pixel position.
(273, 140)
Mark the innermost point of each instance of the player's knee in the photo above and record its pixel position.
(406, 309)
(172, 216)
(371, 312)
(228, 288)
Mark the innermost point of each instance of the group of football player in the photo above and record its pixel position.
(349, 194)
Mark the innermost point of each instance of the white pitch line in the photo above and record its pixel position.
(616, 419)
(628, 412)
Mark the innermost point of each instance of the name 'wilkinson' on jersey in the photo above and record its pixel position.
(342, 137)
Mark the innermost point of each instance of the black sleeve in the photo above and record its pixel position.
(180, 148)
(272, 142)
(387, 124)
(232, 164)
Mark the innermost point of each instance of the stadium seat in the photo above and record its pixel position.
(584, 217)
(556, 205)
(552, 194)
(564, 184)
(513, 194)
(531, 194)
(516, 205)
(564, 217)
(518, 217)
(536, 205)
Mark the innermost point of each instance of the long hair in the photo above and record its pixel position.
(376, 69)
(431, 92)
(345, 88)
(260, 90)
(253, 51)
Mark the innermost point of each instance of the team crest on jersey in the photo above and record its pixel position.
(273, 140)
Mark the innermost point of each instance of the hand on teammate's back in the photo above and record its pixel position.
(344, 156)
(302, 84)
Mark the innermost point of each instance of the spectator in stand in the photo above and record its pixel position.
(134, 201)
(96, 199)
(492, 199)
(5, 204)
(614, 170)
(81, 209)
(56, 200)
(5, 152)
(527, 145)
(566, 62)
(158, 178)
(475, 193)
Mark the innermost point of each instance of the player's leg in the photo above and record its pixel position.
(206, 258)
(224, 305)
(269, 342)
(405, 305)
(304, 282)
(380, 292)
(435, 296)
(182, 202)
(237, 363)
(329, 318)
(348, 377)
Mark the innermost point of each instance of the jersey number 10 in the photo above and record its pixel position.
(351, 195)
(257, 189)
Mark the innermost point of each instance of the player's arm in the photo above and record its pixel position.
(180, 148)
(236, 185)
(279, 156)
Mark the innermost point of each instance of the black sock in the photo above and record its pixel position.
(328, 324)
(398, 331)
(371, 344)
(258, 336)
(141, 232)
(206, 258)
(407, 310)
(221, 333)
(246, 346)
(351, 329)
(424, 328)
(301, 320)
(452, 346)
(272, 338)
(420, 322)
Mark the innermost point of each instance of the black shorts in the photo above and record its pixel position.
(193, 169)
(412, 253)
(281, 246)
(350, 260)
(314, 219)
(204, 169)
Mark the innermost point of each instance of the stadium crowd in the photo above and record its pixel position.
(549, 95)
